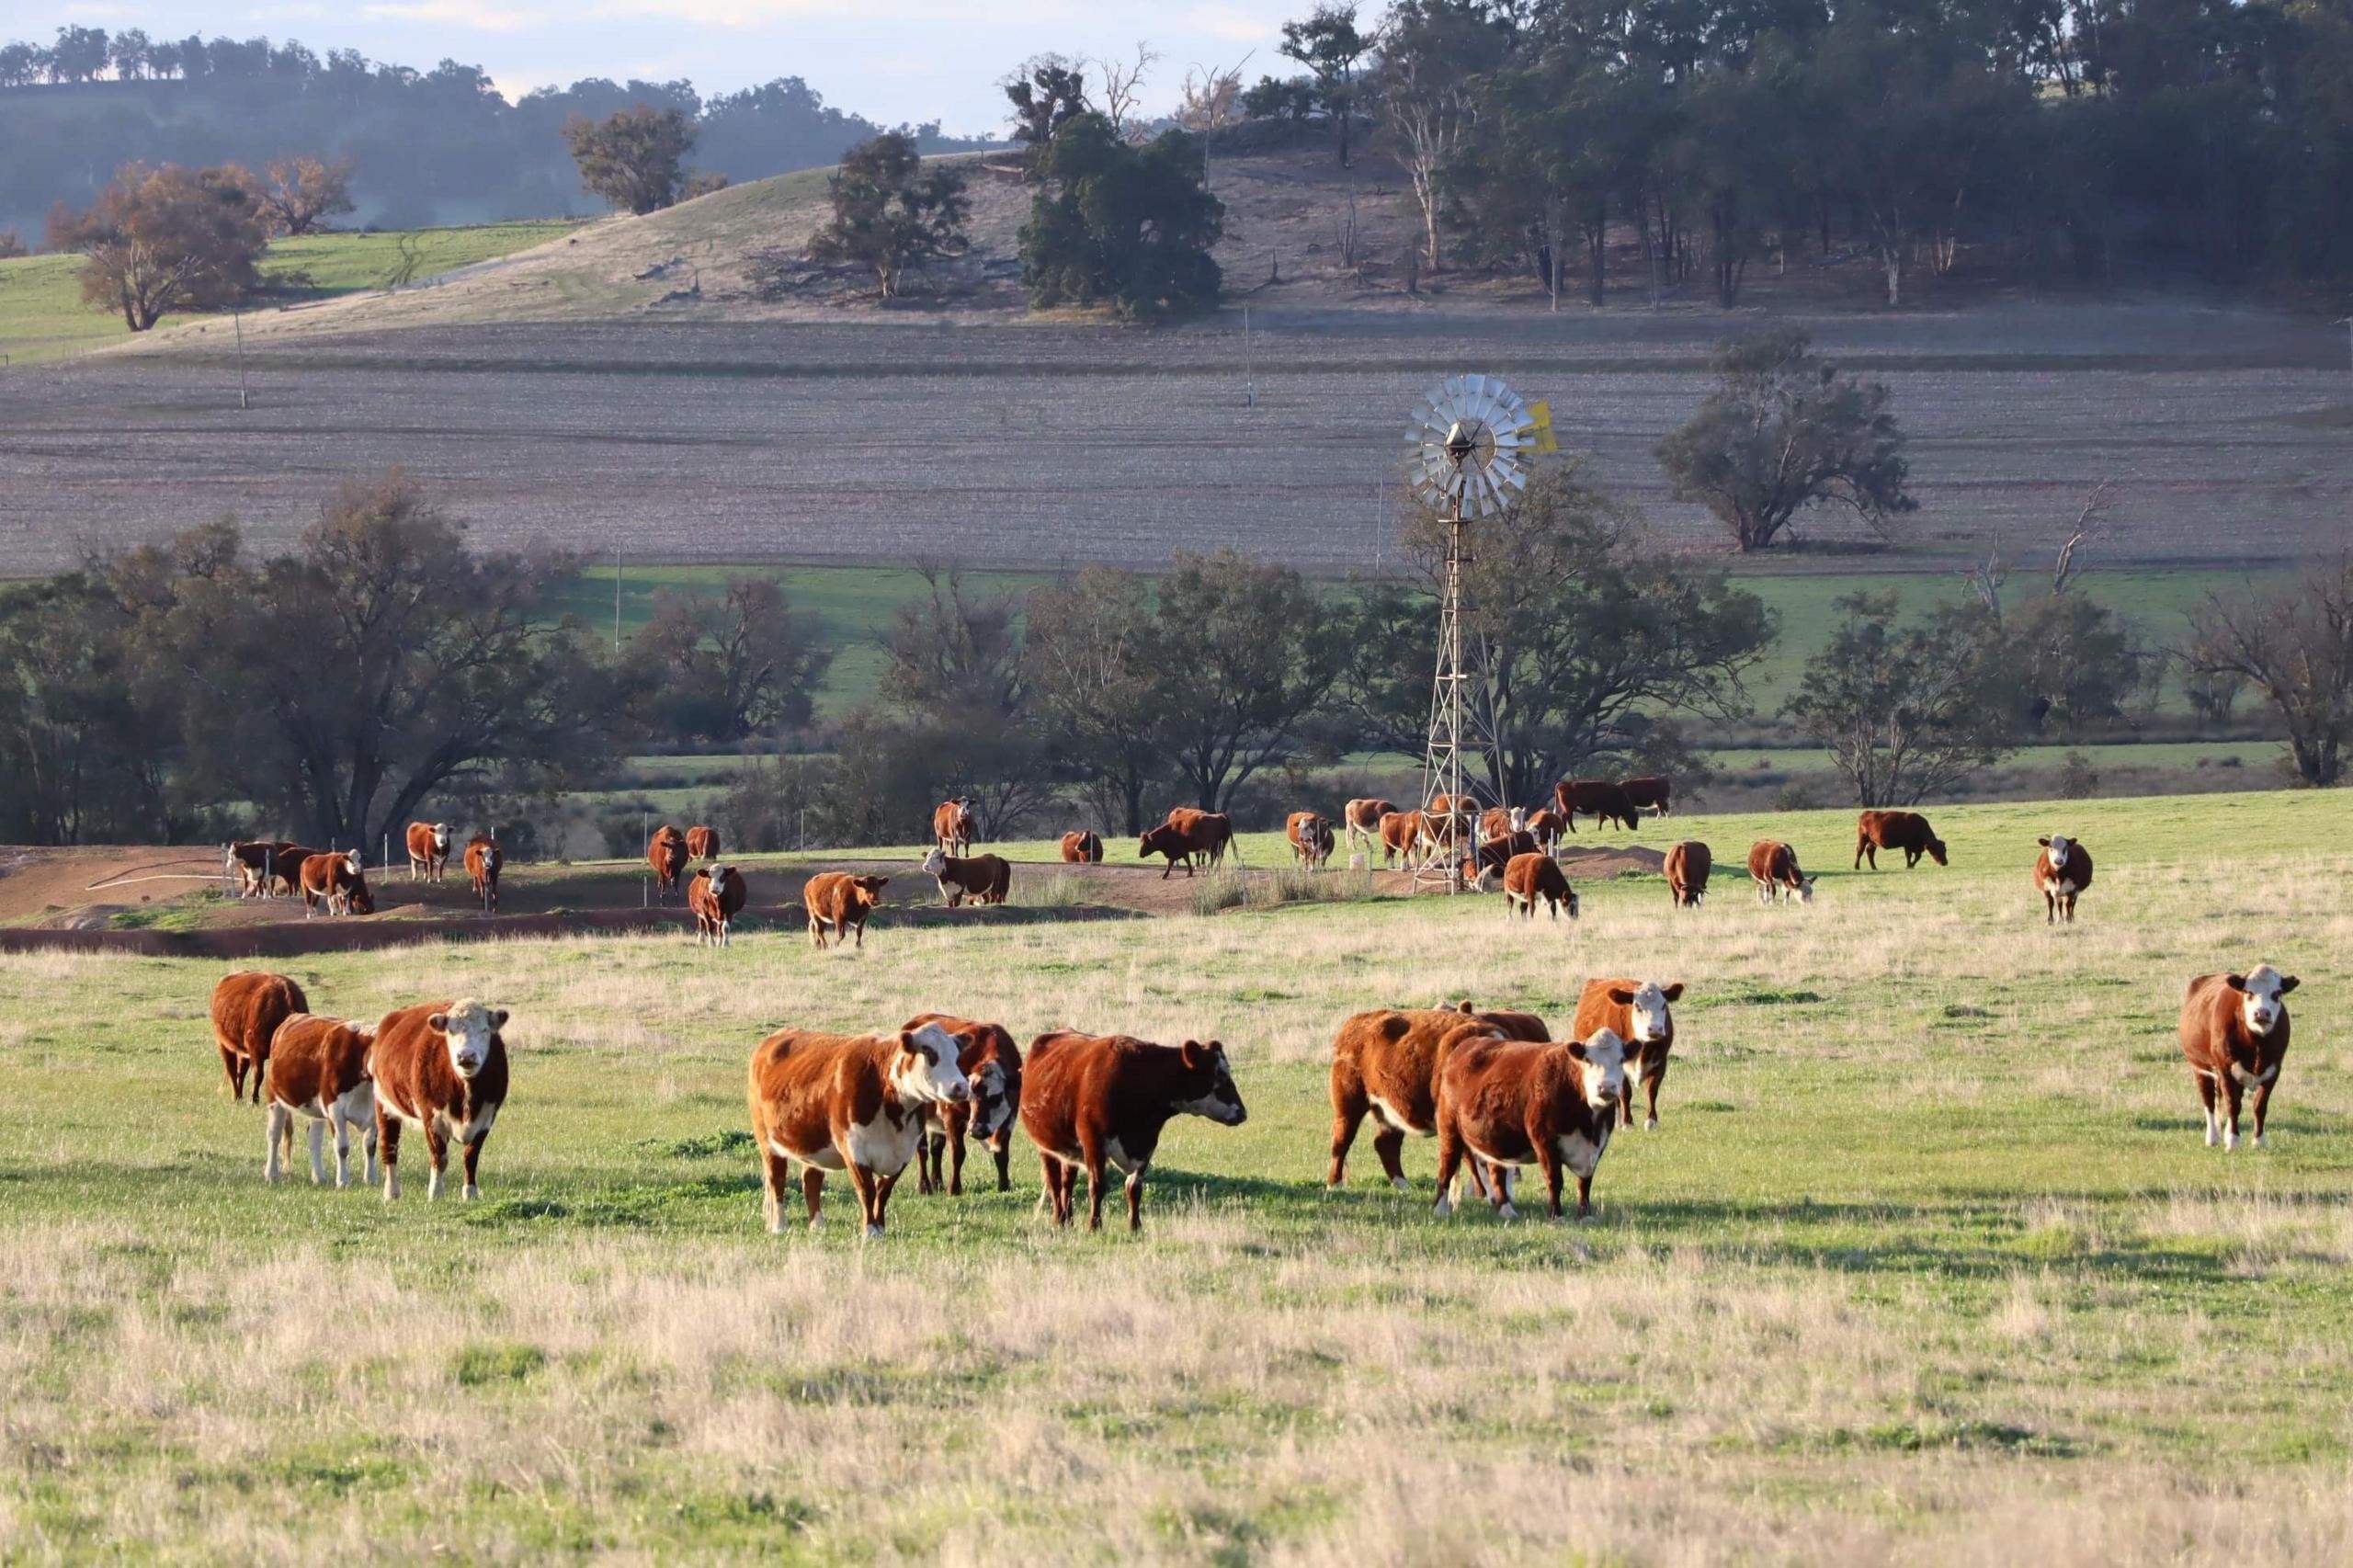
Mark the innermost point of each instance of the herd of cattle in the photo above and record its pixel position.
(336, 881)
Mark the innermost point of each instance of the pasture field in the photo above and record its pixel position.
(1925, 1262)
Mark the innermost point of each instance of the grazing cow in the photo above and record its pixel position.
(1908, 831)
(286, 866)
(1082, 848)
(1186, 834)
(1402, 833)
(339, 883)
(484, 860)
(428, 850)
(666, 852)
(1382, 1065)
(1650, 792)
(1360, 819)
(850, 1103)
(951, 826)
(1529, 876)
(702, 843)
(248, 1007)
(1310, 833)
(1096, 1100)
(1502, 822)
(255, 866)
(1491, 858)
(2234, 1033)
(716, 895)
(440, 1066)
(2062, 871)
(1544, 826)
(841, 901)
(1688, 866)
(983, 879)
(1508, 1102)
(1773, 866)
(1604, 799)
(318, 1069)
(992, 1065)
(1637, 1012)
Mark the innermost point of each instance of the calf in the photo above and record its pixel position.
(2235, 1034)
(1082, 848)
(440, 1066)
(951, 826)
(716, 895)
(1637, 1012)
(666, 852)
(1650, 792)
(1383, 1065)
(851, 1103)
(841, 901)
(1491, 858)
(1098, 1100)
(1529, 876)
(702, 843)
(1908, 831)
(1602, 798)
(339, 883)
(1544, 826)
(484, 860)
(1310, 833)
(1506, 1103)
(1400, 834)
(1773, 866)
(2062, 871)
(428, 850)
(1360, 819)
(248, 1007)
(983, 878)
(1688, 867)
(318, 1069)
(992, 1065)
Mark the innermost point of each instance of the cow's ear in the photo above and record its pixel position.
(2235, 981)
(1672, 993)
(1620, 996)
(1191, 1053)
(2044, 842)
(1464, 1007)
(439, 1022)
(1577, 1049)
(2287, 984)
(498, 1017)
(907, 1042)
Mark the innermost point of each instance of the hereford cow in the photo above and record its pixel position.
(1544, 826)
(1402, 833)
(850, 1103)
(1383, 1066)
(1211, 832)
(1360, 819)
(1638, 1012)
(841, 901)
(1491, 858)
(1511, 1103)
(1650, 792)
(1096, 1100)
(992, 1065)
(2062, 871)
(253, 866)
(1529, 876)
(1908, 831)
(440, 1066)
(2234, 1033)
(666, 852)
(1502, 822)
(1688, 866)
(1310, 833)
(716, 896)
(1198, 835)
(951, 826)
(318, 1071)
(1773, 866)
(428, 850)
(1601, 799)
(983, 879)
(1082, 848)
(248, 1007)
(484, 860)
(702, 843)
(339, 883)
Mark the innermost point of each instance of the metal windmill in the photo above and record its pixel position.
(1472, 439)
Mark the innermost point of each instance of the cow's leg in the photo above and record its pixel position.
(318, 1151)
(1450, 1160)
(1584, 1197)
(862, 1180)
(1135, 1200)
(2262, 1104)
(368, 1136)
(883, 1187)
(773, 1171)
(342, 1144)
(1348, 1108)
(1091, 1155)
(1548, 1156)
(1388, 1146)
(862, 932)
(388, 1139)
(436, 1153)
(2049, 907)
(1626, 1102)
(929, 1146)
(955, 1161)
(1501, 1179)
(1001, 1147)
(2071, 909)
(2206, 1096)
(232, 1068)
(1652, 1079)
(2233, 1095)
(474, 1161)
(816, 934)
(273, 1136)
(813, 1192)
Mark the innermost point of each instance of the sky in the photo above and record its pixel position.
(891, 61)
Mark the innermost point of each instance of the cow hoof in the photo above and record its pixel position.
(1508, 1212)
(2259, 1140)
(2230, 1144)
(1445, 1208)
(872, 1232)
(816, 1224)
(1401, 1184)
(472, 1192)
(1651, 1124)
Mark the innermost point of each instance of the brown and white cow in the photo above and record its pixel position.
(1402, 834)
(1506, 1104)
(716, 896)
(1602, 798)
(1544, 826)
(1311, 838)
(1194, 834)
(702, 843)
(253, 865)
(248, 1007)
(1688, 867)
(440, 1067)
(1360, 819)
(484, 860)
(1383, 1064)
(849, 1103)
(2234, 1033)
(1650, 791)
(841, 901)
(318, 1071)
(1533, 875)
(1908, 831)
(983, 879)
(2061, 871)
(666, 852)
(992, 1065)
(951, 826)
(1502, 822)
(1082, 848)
(1093, 1101)
(428, 850)
(1637, 1012)
(338, 884)
(1491, 858)
(1773, 866)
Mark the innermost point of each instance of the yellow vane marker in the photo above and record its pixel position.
(1541, 413)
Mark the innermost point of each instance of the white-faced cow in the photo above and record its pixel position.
(318, 1071)
(992, 1065)
(983, 879)
(1639, 1013)
(1533, 875)
(842, 902)
(440, 1067)
(1511, 1103)
(428, 850)
(337, 883)
(951, 826)
(2234, 1033)
(1090, 1102)
(248, 1007)
(484, 860)
(1310, 834)
(850, 1103)
(1384, 1064)
(2061, 871)
(716, 896)
(1773, 866)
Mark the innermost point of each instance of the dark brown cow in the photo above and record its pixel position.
(318, 1071)
(440, 1066)
(1527, 877)
(286, 865)
(841, 901)
(1637, 1012)
(851, 1103)
(1083, 848)
(1604, 799)
(1511, 1103)
(983, 879)
(1089, 1101)
(248, 1007)
(666, 852)
(2234, 1033)
(428, 850)
(716, 895)
(1402, 833)
(1650, 792)
(1688, 867)
(702, 843)
(1908, 831)
(1361, 819)
(992, 1066)
(1544, 826)
(1382, 1063)
(253, 865)
(2061, 871)
(1311, 838)
(951, 826)
(1491, 858)
(484, 861)
(337, 883)
(1186, 834)
(1773, 866)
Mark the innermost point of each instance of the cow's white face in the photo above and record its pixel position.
(935, 861)
(1648, 1002)
(2262, 993)
(440, 837)
(2059, 846)
(1601, 1063)
(992, 1103)
(1223, 1104)
(467, 1029)
(1805, 890)
(926, 1067)
(353, 860)
(718, 874)
(1520, 819)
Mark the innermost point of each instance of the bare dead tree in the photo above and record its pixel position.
(1210, 100)
(1987, 578)
(2087, 526)
(1122, 85)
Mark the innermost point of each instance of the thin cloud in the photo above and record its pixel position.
(454, 14)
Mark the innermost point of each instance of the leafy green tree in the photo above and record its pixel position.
(1907, 711)
(1100, 666)
(1256, 654)
(720, 667)
(633, 158)
(160, 240)
(891, 213)
(1122, 226)
(1046, 93)
(2295, 645)
(1433, 54)
(1329, 43)
(961, 669)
